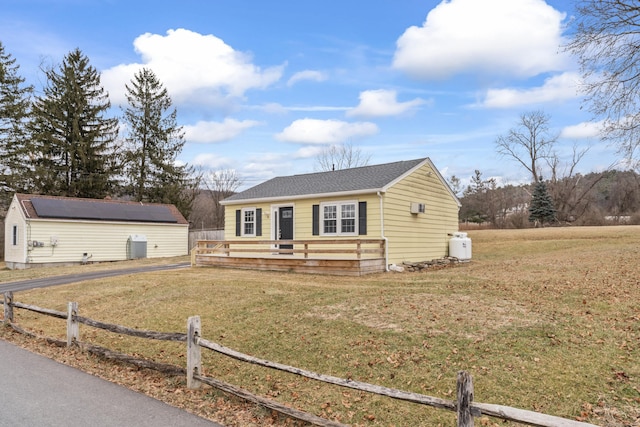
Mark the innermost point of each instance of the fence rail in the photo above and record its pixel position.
(195, 235)
(464, 406)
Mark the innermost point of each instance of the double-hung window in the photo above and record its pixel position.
(330, 219)
(249, 222)
(339, 218)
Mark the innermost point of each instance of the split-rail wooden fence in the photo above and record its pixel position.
(464, 405)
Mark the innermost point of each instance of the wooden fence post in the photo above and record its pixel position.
(465, 398)
(8, 307)
(194, 361)
(73, 327)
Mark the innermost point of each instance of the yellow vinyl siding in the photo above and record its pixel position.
(419, 237)
(303, 220)
(14, 217)
(304, 212)
(306, 216)
(230, 221)
(104, 241)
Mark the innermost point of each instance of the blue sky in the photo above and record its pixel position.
(262, 86)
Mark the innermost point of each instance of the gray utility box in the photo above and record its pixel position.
(137, 246)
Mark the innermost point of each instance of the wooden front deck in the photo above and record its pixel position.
(352, 257)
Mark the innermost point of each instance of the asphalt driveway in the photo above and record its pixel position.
(24, 285)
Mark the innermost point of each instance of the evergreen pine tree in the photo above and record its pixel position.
(153, 142)
(74, 141)
(14, 150)
(541, 208)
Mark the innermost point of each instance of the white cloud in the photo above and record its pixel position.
(557, 88)
(191, 66)
(212, 161)
(207, 132)
(314, 131)
(275, 108)
(270, 108)
(308, 152)
(263, 166)
(380, 103)
(318, 108)
(316, 76)
(585, 130)
(506, 37)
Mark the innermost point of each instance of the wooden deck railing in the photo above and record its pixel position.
(347, 248)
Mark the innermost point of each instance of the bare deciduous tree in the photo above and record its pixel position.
(343, 156)
(623, 193)
(529, 142)
(571, 200)
(220, 185)
(606, 45)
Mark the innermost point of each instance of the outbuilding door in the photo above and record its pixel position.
(285, 225)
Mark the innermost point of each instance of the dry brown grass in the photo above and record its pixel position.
(544, 319)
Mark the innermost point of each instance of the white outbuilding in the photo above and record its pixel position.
(51, 230)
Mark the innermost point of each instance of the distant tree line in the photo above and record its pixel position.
(610, 197)
(64, 142)
(564, 197)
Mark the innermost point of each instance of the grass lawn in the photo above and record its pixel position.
(543, 319)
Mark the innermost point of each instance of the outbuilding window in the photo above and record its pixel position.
(14, 235)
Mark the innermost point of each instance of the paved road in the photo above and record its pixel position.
(37, 391)
(23, 285)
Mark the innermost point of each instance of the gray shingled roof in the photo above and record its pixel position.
(355, 179)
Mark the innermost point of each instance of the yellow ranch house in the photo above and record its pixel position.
(351, 221)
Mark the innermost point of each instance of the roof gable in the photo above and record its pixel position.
(69, 208)
(362, 179)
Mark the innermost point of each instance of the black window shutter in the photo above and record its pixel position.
(316, 220)
(258, 221)
(238, 222)
(362, 218)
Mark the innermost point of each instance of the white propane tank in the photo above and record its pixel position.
(460, 246)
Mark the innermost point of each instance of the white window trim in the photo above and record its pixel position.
(14, 235)
(338, 206)
(243, 222)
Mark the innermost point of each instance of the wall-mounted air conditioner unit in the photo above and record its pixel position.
(417, 208)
